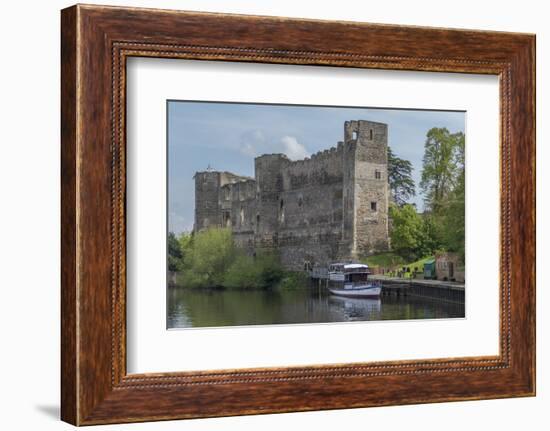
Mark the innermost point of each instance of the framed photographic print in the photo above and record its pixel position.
(264, 214)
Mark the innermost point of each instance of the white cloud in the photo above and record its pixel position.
(293, 149)
(248, 149)
(252, 143)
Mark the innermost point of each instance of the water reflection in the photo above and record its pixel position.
(206, 308)
(357, 308)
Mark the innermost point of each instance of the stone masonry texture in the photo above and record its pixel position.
(330, 207)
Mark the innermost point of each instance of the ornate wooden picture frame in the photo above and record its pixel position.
(96, 41)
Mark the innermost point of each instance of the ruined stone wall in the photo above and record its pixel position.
(213, 198)
(310, 209)
(329, 207)
(240, 199)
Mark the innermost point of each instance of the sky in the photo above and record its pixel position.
(227, 137)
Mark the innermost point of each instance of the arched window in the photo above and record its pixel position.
(281, 211)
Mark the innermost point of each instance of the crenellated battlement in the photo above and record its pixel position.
(295, 205)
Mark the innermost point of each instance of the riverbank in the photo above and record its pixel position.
(434, 289)
(264, 280)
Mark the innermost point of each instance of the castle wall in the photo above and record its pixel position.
(240, 199)
(331, 206)
(213, 198)
(310, 209)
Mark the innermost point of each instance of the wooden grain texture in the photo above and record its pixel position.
(69, 397)
(96, 41)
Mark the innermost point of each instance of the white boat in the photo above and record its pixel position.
(351, 280)
(336, 272)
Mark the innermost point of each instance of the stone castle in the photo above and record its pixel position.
(332, 206)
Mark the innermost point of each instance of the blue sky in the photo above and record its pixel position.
(227, 136)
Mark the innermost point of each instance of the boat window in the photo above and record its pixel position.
(358, 277)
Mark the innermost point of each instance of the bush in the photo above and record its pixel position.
(270, 269)
(247, 272)
(212, 260)
(208, 257)
(243, 274)
(293, 280)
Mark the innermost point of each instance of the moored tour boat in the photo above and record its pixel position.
(351, 280)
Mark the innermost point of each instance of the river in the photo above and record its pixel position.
(192, 308)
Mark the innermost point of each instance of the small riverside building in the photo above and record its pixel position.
(448, 267)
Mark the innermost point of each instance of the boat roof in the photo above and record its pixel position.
(350, 265)
(356, 266)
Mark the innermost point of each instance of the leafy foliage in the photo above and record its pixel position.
(175, 253)
(210, 259)
(293, 280)
(453, 219)
(442, 226)
(442, 166)
(407, 234)
(400, 179)
(242, 273)
(247, 272)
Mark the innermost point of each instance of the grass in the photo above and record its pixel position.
(385, 260)
(392, 261)
(419, 263)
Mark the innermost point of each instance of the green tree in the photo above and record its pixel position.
(175, 254)
(442, 165)
(400, 179)
(431, 234)
(209, 257)
(407, 234)
(186, 243)
(454, 221)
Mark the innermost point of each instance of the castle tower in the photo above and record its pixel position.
(207, 207)
(269, 183)
(365, 189)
